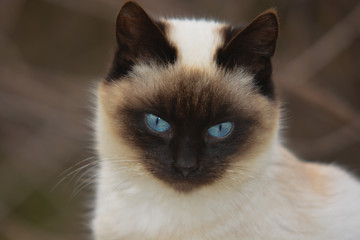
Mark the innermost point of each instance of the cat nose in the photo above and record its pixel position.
(186, 167)
(185, 171)
(186, 160)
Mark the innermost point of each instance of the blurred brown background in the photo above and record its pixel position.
(53, 51)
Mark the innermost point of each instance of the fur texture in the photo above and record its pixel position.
(245, 186)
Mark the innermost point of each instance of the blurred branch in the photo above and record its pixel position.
(316, 57)
(323, 100)
(330, 45)
(338, 139)
(299, 71)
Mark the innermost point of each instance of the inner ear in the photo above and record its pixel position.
(139, 39)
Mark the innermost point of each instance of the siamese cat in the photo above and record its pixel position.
(187, 132)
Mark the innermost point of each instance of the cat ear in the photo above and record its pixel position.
(252, 47)
(139, 38)
(258, 38)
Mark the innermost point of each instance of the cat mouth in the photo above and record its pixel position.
(187, 180)
(184, 187)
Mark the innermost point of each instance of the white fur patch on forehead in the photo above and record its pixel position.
(196, 40)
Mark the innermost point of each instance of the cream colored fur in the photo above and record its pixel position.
(185, 35)
(275, 196)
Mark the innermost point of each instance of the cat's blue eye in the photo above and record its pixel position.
(156, 123)
(220, 130)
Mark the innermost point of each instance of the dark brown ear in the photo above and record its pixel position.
(139, 38)
(252, 47)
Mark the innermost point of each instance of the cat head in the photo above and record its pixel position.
(187, 100)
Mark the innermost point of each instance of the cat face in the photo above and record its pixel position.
(189, 124)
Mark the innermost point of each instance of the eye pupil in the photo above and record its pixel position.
(220, 130)
(156, 123)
